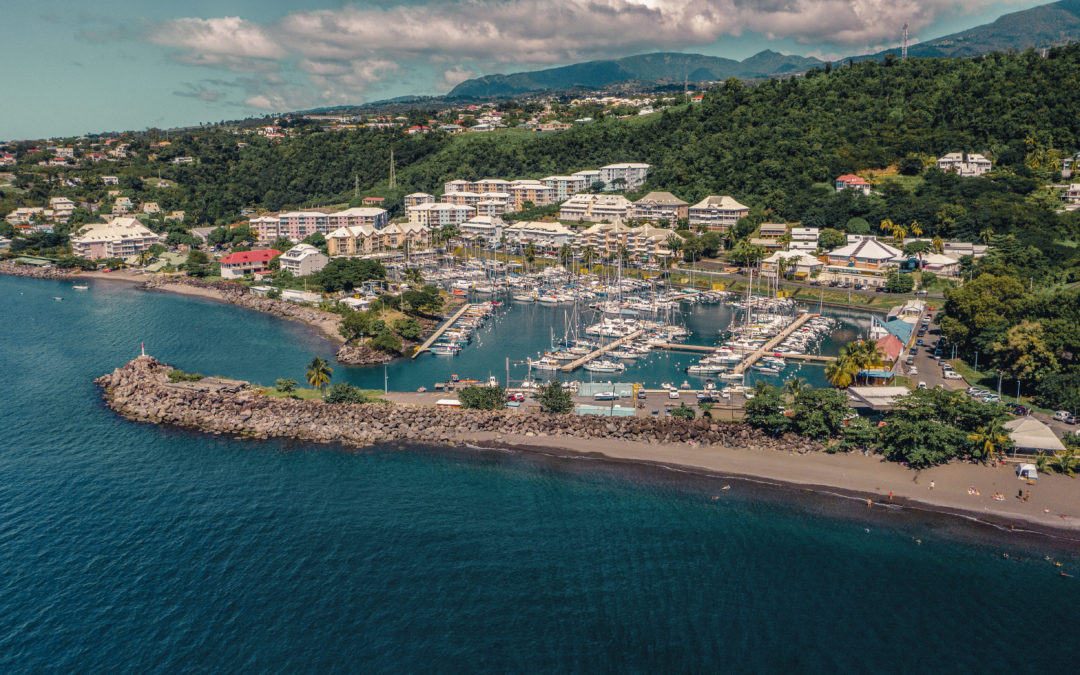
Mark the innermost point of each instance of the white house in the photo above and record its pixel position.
(302, 260)
(852, 182)
(1072, 195)
(798, 263)
(976, 165)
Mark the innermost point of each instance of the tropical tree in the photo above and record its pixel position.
(795, 386)
(841, 372)
(938, 245)
(318, 373)
(915, 228)
(414, 277)
(588, 256)
(565, 254)
(1066, 462)
(988, 440)
(705, 407)
(530, 253)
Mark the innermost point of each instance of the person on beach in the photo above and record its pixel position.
(931, 486)
(869, 503)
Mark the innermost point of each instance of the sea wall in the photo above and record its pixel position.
(30, 271)
(141, 391)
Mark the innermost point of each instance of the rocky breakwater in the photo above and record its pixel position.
(34, 272)
(141, 391)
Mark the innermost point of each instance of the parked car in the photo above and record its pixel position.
(515, 396)
(1071, 419)
(1019, 410)
(953, 375)
(921, 385)
(913, 371)
(918, 343)
(673, 394)
(991, 398)
(641, 394)
(910, 360)
(1062, 415)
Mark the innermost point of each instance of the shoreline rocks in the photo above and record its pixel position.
(140, 391)
(32, 272)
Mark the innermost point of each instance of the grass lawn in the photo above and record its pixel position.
(306, 394)
(302, 393)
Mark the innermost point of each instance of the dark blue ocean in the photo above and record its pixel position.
(133, 548)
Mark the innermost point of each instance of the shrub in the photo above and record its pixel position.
(346, 393)
(285, 385)
(684, 412)
(482, 398)
(554, 399)
(408, 328)
(177, 375)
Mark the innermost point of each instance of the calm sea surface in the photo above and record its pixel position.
(132, 548)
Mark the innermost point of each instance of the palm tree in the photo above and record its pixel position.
(705, 406)
(938, 245)
(1066, 462)
(565, 253)
(530, 254)
(318, 373)
(795, 386)
(414, 277)
(986, 235)
(840, 373)
(886, 225)
(144, 257)
(916, 229)
(588, 256)
(989, 439)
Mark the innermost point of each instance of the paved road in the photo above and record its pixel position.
(929, 369)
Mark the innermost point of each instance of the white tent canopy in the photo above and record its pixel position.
(1028, 433)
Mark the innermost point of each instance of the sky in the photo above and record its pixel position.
(76, 67)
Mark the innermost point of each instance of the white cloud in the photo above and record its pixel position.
(342, 52)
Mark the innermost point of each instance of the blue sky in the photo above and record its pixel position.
(80, 67)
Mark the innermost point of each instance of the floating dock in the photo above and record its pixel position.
(442, 329)
(766, 348)
(577, 363)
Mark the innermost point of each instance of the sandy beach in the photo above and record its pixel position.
(1054, 501)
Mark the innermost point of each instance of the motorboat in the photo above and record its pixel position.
(604, 366)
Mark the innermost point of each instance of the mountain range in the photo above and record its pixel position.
(1043, 26)
(660, 68)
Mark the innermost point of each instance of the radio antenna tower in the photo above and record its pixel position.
(903, 45)
(393, 173)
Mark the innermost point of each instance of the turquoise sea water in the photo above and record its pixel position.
(133, 548)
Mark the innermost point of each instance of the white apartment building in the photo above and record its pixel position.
(119, 238)
(550, 235)
(596, 208)
(439, 215)
(565, 186)
(976, 165)
(418, 198)
(717, 214)
(488, 228)
(1072, 195)
(804, 239)
(625, 176)
(590, 176)
(303, 260)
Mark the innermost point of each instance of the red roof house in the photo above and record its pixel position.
(852, 182)
(240, 263)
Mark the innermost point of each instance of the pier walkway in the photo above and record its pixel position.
(441, 329)
(753, 356)
(577, 363)
(700, 349)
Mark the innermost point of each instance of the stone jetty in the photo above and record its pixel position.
(141, 391)
(34, 272)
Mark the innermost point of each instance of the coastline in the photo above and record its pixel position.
(140, 392)
(849, 475)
